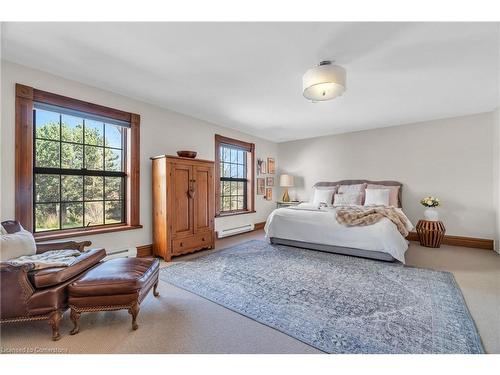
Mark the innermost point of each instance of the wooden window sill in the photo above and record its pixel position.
(81, 232)
(224, 214)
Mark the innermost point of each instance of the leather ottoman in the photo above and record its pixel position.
(115, 284)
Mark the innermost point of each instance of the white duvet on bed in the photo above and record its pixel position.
(308, 224)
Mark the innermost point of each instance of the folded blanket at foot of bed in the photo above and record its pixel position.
(362, 216)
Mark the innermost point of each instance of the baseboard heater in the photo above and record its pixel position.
(121, 253)
(236, 230)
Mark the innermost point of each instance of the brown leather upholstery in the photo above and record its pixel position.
(52, 276)
(113, 285)
(11, 226)
(16, 290)
(35, 295)
(49, 299)
(115, 277)
(90, 302)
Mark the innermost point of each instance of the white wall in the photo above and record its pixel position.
(162, 132)
(496, 162)
(496, 175)
(452, 159)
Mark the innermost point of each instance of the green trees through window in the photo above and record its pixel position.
(79, 177)
(233, 178)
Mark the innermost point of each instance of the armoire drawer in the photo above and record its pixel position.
(197, 241)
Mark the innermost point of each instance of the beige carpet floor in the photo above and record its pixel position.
(181, 322)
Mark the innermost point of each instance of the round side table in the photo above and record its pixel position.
(430, 233)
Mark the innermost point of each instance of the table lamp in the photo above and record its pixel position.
(286, 181)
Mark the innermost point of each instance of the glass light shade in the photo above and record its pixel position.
(286, 180)
(324, 82)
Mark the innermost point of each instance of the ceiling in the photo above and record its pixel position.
(248, 76)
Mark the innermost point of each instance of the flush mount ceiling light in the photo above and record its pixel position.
(324, 82)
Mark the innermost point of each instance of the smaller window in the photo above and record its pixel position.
(234, 163)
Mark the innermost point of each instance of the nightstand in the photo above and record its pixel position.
(286, 204)
(430, 233)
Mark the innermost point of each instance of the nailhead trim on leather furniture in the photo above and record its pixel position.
(130, 279)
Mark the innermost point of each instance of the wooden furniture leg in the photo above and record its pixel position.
(54, 320)
(75, 318)
(134, 311)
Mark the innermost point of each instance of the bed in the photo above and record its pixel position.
(308, 227)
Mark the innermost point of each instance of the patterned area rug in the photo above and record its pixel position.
(335, 303)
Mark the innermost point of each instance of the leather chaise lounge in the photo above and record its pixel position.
(29, 295)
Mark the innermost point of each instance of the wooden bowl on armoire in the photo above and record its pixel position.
(187, 154)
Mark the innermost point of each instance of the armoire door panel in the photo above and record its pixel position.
(203, 205)
(181, 214)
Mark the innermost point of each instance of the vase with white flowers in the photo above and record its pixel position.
(430, 212)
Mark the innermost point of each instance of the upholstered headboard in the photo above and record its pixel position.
(354, 182)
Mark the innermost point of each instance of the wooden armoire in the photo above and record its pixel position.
(183, 205)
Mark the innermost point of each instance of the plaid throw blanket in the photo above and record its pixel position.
(362, 216)
(48, 259)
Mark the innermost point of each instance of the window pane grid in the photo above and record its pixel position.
(233, 181)
(86, 200)
(77, 143)
(56, 146)
(70, 213)
(61, 178)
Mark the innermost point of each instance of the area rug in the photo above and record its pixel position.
(335, 303)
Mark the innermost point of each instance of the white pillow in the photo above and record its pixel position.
(351, 189)
(347, 199)
(322, 196)
(377, 197)
(17, 244)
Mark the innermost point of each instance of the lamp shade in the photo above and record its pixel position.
(324, 82)
(286, 180)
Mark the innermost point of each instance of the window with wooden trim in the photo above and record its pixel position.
(234, 166)
(79, 171)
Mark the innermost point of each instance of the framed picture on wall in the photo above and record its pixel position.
(271, 167)
(269, 194)
(263, 169)
(261, 186)
(259, 166)
(270, 181)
